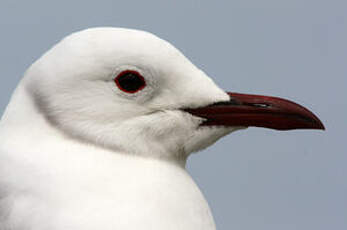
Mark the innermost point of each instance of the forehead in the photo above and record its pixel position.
(101, 50)
(118, 42)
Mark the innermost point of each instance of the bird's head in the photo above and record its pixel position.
(133, 92)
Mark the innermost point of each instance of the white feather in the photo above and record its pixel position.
(78, 153)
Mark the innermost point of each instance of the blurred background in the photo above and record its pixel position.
(255, 178)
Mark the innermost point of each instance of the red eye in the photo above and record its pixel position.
(130, 81)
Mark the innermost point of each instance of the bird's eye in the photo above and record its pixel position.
(130, 81)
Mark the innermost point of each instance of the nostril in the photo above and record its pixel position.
(260, 105)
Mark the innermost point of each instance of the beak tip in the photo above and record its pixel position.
(320, 125)
(317, 123)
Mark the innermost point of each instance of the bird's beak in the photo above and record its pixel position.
(260, 111)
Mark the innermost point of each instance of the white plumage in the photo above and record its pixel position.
(78, 153)
(97, 134)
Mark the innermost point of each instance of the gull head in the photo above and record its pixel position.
(134, 93)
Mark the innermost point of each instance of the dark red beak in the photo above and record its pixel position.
(259, 111)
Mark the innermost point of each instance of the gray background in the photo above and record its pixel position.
(253, 179)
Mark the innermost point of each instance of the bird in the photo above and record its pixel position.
(98, 132)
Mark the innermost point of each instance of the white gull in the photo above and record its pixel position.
(97, 134)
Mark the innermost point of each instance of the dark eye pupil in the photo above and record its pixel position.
(130, 81)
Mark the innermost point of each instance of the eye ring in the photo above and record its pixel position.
(130, 81)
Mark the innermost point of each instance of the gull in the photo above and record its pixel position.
(98, 131)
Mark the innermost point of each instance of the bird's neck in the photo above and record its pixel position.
(42, 148)
(67, 179)
(22, 115)
(24, 125)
